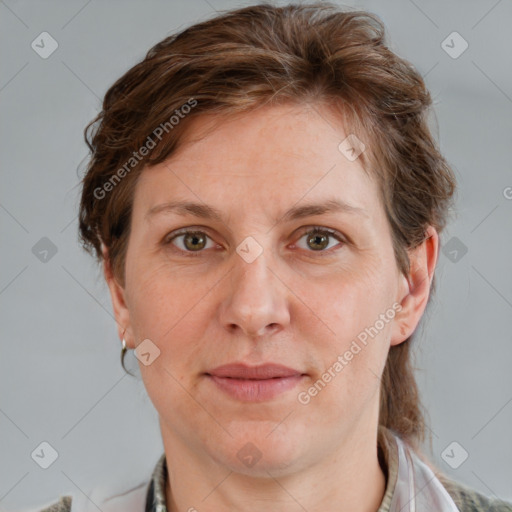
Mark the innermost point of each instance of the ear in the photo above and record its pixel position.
(415, 288)
(118, 296)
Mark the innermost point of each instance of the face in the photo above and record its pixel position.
(319, 293)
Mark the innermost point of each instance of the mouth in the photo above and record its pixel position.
(254, 384)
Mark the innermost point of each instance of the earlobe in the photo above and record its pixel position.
(117, 295)
(416, 286)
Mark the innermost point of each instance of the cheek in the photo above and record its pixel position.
(162, 302)
(351, 300)
(357, 339)
(176, 313)
(169, 315)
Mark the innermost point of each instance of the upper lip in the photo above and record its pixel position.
(243, 371)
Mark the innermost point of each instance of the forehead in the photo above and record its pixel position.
(271, 157)
(284, 133)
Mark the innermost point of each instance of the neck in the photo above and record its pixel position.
(350, 477)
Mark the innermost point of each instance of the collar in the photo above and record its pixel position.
(155, 499)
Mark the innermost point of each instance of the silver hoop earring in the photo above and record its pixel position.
(123, 352)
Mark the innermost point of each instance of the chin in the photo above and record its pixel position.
(260, 453)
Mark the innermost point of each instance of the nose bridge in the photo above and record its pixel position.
(257, 300)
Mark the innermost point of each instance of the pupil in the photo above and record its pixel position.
(193, 239)
(315, 238)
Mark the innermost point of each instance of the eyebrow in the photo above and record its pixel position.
(204, 211)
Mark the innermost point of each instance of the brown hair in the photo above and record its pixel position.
(267, 55)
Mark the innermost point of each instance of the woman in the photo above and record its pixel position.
(266, 199)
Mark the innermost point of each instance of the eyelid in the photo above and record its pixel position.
(315, 228)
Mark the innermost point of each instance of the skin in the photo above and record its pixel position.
(291, 305)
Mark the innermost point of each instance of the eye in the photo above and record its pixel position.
(191, 241)
(317, 239)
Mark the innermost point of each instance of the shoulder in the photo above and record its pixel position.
(63, 505)
(469, 500)
(128, 492)
(132, 499)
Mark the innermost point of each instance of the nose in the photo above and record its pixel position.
(257, 301)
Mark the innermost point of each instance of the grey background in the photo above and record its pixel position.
(61, 377)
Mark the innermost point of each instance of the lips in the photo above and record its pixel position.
(261, 372)
(254, 383)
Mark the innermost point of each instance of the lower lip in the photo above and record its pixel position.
(248, 390)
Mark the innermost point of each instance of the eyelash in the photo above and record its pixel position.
(310, 230)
